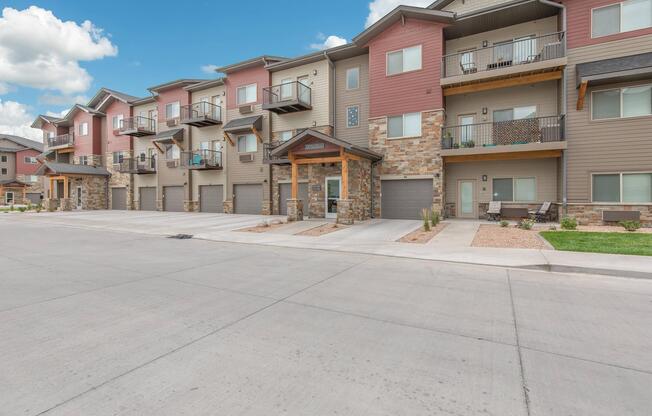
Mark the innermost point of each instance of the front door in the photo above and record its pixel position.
(79, 197)
(333, 185)
(466, 199)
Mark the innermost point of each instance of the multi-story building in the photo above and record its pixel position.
(446, 107)
(19, 183)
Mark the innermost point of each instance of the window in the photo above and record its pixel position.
(117, 121)
(31, 178)
(516, 113)
(286, 89)
(408, 59)
(353, 116)
(83, 160)
(622, 187)
(407, 125)
(514, 189)
(50, 135)
(3, 158)
(466, 128)
(352, 78)
(247, 143)
(284, 136)
(247, 94)
(9, 198)
(83, 129)
(621, 17)
(172, 110)
(3, 171)
(118, 157)
(30, 160)
(172, 152)
(622, 102)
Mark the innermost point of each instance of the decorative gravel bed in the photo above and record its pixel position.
(263, 227)
(420, 236)
(323, 229)
(508, 237)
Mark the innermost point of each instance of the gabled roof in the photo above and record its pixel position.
(309, 133)
(14, 182)
(75, 108)
(206, 84)
(439, 4)
(29, 144)
(336, 53)
(250, 63)
(182, 82)
(402, 12)
(56, 168)
(41, 118)
(103, 93)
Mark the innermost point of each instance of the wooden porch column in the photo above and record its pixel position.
(295, 180)
(52, 188)
(345, 178)
(65, 187)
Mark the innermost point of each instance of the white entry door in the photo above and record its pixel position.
(466, 198)
(333, 186)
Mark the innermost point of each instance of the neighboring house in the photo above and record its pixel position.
(19, 182)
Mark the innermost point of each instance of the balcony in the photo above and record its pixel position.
(530, 55)
(63, 141)
(137, 126)
(524, 135)
(202, 159)
(201, 114)
(267, 153)
(289, 97)
(138, 165)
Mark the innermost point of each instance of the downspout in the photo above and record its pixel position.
(331, 65)
(564, 105)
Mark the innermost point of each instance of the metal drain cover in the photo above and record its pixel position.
(181, 236)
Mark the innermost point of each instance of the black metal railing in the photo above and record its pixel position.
(506, 54)
(501, 133)
(294, 91)
(62, 140)
(201, 110)
(267, 151)
(138, 164)
(137, 124)
(201, 159)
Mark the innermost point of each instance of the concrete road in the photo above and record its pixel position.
(96, 322)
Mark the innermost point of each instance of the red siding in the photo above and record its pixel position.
(23, 168)
(114, 142)
(258, 75)
(170, 96)
(579, 24)
(91, 144)
(411, 91)
(48, 127)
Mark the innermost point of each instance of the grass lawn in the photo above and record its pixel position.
(596, 242)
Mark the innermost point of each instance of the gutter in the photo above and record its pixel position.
(333, 91)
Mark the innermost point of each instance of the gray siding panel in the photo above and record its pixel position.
(345, 98)
(119, 198)
(34, 197)
(173, 198)
(147, 197)
(211, 198)
(285, 193)
(404, 199)
(248, 198)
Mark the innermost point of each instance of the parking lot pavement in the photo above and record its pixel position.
(96, 322)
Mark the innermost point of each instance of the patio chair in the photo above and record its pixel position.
(493, 213)
(468, 68)
(542, 214)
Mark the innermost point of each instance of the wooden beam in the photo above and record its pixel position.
(535, 154)
(65, 188)
(158, 147)
(352, 157)
(345, 179)
(503, 83)
(175, 141)
(295, 181)
(581, 94)
(308, 161)
(257, 133)
(228, 138)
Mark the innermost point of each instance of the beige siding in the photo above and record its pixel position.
(605, 145)
(345, 98)
(544, 170)
(141, 144)
(10, 165)
(466, 6)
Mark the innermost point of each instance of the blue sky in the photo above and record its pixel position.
(144, 43)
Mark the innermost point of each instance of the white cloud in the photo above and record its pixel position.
(60, 114)
(4, 88)
(328, 42)
(209, 69)
(62, 99)
(379, 8)
(15, 119)
(39, 50)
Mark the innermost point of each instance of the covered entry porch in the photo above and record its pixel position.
(327, 177)
(75, 186)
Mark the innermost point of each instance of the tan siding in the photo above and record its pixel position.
(344, 98)
(465, 6)
(10, 165)
(141, 144)
(605, 145)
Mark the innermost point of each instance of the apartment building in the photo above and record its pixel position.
(447, 107)
(19, 183)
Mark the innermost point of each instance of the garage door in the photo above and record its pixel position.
(211, 198)
(34, 197)
(285, 192)
(173, 198)
(248, 199)
(119, 198)
(147, 197)
(404, 199)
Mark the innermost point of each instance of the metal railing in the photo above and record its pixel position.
(201, 159)
(501, 133)
(267, 151)
(62, 140)
(287, 92)
(138, 164)
(520, 51)
(202, 109)
(138, 123)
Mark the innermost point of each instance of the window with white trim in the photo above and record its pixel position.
(31, 178)
(83, 129)
(118, 157)
(50, 135)
(353, 78)
(3, 171)
(621, 17)
(353, 116)
(247, 143)
(632, 187)
(83, 160)
(624, 102)
(404, 60)
(30, 160)
(514, 189)
(247, 94)
(9, 198)
(284, 136)
(405, 125)
(117, 121)
(172, 110)
(3, 158)
(172, 152)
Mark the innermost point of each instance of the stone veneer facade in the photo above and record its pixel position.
(591, 214)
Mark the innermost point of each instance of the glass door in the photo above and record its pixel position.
(466, 128)
(467, 199)
(333, 185)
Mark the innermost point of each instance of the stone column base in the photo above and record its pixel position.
(228, 207)
(65, 204)
(159, 205)
(191, 206)
(295, 210)
(50, 204)
(345, 214)
(267, 207)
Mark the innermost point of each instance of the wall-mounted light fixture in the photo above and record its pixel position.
(485, 43)
(484, 178)
(314, 72)
(484, 110)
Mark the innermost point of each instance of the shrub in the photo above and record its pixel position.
(568, 223)
(22, 209)
(630, 225)
(11, 208)
(526, 224)
(434, 218)
(425, 216)
(504, 224)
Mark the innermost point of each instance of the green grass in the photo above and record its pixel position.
(595, 242)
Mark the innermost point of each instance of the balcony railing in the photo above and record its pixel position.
(288, 97)
(201, 159)
(201, 114)
(63, 140)
(137, 126)
(267, 153)
(521, 51)
(503, 133)
(138, 165)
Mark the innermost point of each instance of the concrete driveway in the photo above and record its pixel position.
(96, 322)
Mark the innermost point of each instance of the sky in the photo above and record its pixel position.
(54, 54)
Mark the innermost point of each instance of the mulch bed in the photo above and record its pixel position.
(420, 236)
(508, 237)
(323, 229)
(260, 228)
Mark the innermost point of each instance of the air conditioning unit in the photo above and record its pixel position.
(172, 122)
(172, 163)
(248, 157)
(246, 109)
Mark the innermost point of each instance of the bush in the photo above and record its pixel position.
(22, 209)
(434, 218)
(526, 224)
(425, 216)
(569, 223)
(630, 225)
(504, 224)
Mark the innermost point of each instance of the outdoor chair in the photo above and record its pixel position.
(468, 68)
(542, 214)
(493, 213)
